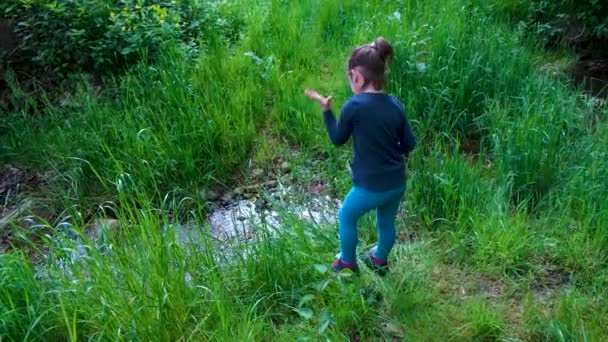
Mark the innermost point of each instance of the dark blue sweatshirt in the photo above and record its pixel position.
(382, 137)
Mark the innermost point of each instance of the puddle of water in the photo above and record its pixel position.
(239, 221)
(228, 226)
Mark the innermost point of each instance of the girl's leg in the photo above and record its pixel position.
(356, 204)
(385, 221)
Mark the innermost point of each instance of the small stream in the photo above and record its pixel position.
(228, 225)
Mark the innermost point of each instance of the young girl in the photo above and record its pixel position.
(382, 140)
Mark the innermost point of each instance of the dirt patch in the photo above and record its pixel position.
(491, 288)
(548, 281)
(592, 75)
(250, 184)
(15, 180)
(409, 226)
(455, 282)
(407, 235)
(591, 68)
(556, 277)
(15, 183)
(470, 147)
(8, 39)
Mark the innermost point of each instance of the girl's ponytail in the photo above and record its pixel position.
(385, 50)
(371, 59)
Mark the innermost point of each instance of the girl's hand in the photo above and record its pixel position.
(325, 102)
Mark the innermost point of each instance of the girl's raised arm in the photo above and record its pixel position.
(325, 102)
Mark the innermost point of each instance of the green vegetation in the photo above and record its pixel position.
(506, 214)
(555, 20)
(107, 35)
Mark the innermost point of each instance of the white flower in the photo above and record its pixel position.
(421, 67)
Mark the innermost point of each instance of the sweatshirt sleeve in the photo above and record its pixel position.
(407, 140)
(340, 130)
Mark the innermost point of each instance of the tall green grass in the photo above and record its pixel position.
(526, 215)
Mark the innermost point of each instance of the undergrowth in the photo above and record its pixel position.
(510, 239)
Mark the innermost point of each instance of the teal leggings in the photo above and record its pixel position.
(358, 202)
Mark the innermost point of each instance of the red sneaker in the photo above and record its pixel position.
(339, 265)
(375, 264)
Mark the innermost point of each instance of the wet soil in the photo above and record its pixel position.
(15, 185)
(8, 39)
(592, 75)
(14, 180)
(591, 68)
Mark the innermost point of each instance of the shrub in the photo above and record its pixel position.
(557, 19)
(105, 36)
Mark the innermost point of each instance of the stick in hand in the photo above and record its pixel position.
(325, 102)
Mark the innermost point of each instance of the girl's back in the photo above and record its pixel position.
(381, 137)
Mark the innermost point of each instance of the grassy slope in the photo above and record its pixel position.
(512, 244)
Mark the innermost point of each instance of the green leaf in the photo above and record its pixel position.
(127, 50)
(305, 313)
(307, 298)
(325, 320)
(323, 326)
(321, 268)
(325, 314)
(345, 273)
(322, 285)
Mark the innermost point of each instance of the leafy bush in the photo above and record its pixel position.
(107, 35)
(556, 19)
